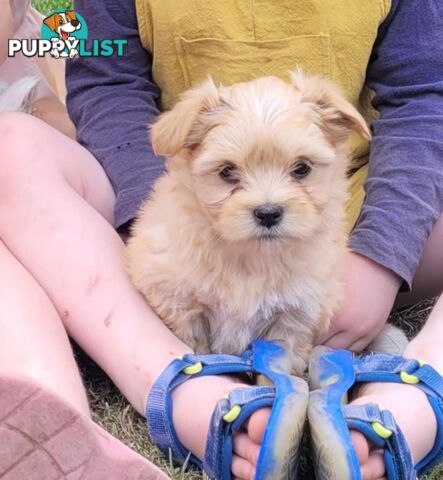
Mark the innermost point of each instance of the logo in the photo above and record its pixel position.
(63, 35)
(64, 29)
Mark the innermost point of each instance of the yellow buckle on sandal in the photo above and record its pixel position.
(381, 430)
(409, 377)
(232, 415)
(193, 369)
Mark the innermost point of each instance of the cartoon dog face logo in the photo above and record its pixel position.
(63, 24)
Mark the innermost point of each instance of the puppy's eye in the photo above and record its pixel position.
(61, 21)
(300, 170)
(228, 174)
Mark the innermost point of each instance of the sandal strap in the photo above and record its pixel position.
(287, 397)
(159, 404)
(387, 368)
(228, 417)
(379, 426)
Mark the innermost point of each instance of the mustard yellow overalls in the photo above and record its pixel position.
(238, 40)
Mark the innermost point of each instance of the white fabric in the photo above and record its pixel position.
(28, 25)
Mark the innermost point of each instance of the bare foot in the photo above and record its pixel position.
(407, 403)
(194, 403)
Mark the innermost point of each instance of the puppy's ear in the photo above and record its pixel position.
(338, 116)
(51, 21)
(186, 125)
(71, 14)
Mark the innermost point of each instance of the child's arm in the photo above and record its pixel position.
(404, 190)
(6, 30)
(112, 100)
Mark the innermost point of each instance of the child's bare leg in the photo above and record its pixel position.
(33, 341)
(428, 280)
(41, 392)
(75, 254)
(54, 217)
(404, 401)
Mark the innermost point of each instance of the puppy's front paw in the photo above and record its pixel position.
(299, 365)
(55, 53)
(73, 53)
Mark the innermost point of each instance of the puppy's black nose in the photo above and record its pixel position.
(268, 215)
(74, 23)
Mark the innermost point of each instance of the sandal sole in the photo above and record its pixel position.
(330, 439)
(283, 435)
(43, 438)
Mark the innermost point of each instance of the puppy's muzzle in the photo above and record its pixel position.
(268, 215)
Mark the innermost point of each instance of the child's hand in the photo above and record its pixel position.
(370, 291)
(54, 113)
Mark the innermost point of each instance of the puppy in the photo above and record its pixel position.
(244, 236)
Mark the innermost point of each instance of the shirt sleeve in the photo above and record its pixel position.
(404, 189)
(112, 100)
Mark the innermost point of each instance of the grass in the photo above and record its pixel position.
(111, 410)
(48, 6)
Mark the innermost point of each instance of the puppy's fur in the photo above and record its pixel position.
(212, 272)
(19, 96)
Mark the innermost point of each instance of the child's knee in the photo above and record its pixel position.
(16, 133)
(15, 127)
(21, 138)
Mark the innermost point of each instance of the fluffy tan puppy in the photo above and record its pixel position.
(244, 236)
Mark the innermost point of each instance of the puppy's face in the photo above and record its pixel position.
(264, 158)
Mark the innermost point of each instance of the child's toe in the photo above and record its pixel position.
(257, 424)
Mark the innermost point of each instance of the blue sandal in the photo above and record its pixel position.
(332, 374)
(288, 397)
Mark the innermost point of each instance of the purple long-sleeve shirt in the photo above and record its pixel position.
(112, 101)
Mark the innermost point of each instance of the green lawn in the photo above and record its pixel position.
(48, 6)
(113, 412)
